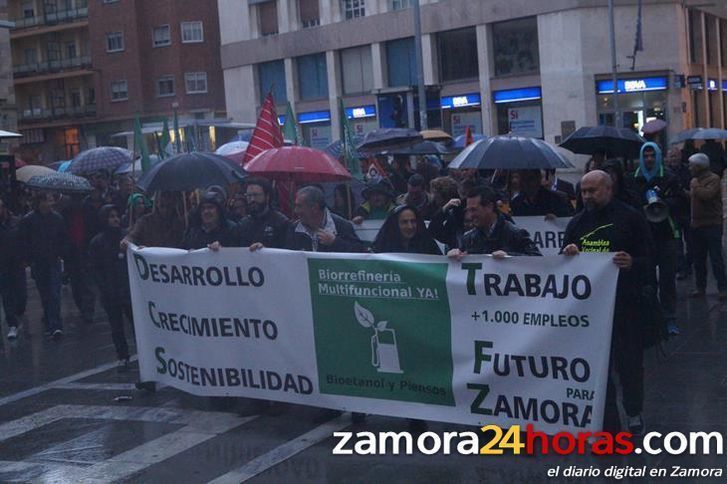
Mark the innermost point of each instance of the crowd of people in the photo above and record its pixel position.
(661, 217)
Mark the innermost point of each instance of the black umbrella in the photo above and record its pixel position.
(387, 139)
(423, 148)
(699, 134)
(189, 171)
(613, 141)
(510, 153)
(59, 182)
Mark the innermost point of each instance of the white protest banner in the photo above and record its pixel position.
(547, 234)
(482, 341)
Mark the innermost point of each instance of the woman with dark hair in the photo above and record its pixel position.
(342, 201)
(110, 273)
(404, 231)
(621, 190)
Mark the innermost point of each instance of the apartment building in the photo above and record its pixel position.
(84, 69)
(8, 112)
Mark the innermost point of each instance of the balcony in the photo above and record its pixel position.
(38, 114)
(51, 19)
(29, 70)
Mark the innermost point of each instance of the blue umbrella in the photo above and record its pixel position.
(423, 148)
(387, 139)
(60, 182)
(460, 140)
(335, 149)
(510, 153)
(107, 158)
(699, 134)
(189, 171)
(65, 166)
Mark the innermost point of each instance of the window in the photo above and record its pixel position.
(357, 70)
(53, 51)
(354, 8)
(76, 98)
(115, 42)
(710, 32)
(91, 96)
(119, 91)
(272, 74)
(31, 56)
(192, 32)
(165, 86)
(516, 47)
(71, 51)
(458, 55)
(110, 1)
(196, 82)
(695, 36)
(400, 4)
(312, 77)
(268, 18)
(308, 13)
(162, 36)
(28, 10)
(401, 62)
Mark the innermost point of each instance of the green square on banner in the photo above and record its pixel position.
(382, 329)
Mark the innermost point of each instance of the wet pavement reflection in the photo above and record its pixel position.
(61, 419)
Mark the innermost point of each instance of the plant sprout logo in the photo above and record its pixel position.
(384, 351)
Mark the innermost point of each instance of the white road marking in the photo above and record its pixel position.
(286, 451)
(198, 427)
(120, 387)
(62, 381)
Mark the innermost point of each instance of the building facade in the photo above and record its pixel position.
(539, 69)
(8, 111)
(84, 69)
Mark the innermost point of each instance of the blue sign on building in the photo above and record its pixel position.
(314, 117)
(517, 95)
(360, 112)
(660, 83)
(465, 100)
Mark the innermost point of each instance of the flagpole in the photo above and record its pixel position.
(614, 65)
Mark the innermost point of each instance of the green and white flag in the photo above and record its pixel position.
(290, 128)
(348, 150)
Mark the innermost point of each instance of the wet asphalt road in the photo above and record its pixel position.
(60, 420)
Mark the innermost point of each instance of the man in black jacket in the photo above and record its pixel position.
(536, 200)
(45, 241)
(653, 175)
(493, 234)
(318, 229)
(608, 225)
(262, 224)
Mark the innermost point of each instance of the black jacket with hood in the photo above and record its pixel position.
(199, 238)
(108, 261)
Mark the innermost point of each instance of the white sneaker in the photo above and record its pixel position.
(13, 332)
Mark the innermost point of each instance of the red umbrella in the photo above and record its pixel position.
(297, 164)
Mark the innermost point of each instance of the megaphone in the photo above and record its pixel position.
(656, 210)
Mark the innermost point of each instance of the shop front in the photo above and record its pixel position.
(460, 112)
(519, 111)
(640, 99)
(363, 119)
(316, 128)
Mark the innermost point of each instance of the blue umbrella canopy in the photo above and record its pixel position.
(589, 140)
(190, 171)
(60, 182)
(335, 149)
(510, 153)
(387, 139)
(699, 134)
(107, 158)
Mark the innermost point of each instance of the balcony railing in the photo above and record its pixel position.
(27, 70)
(51, 18)
(38, 114)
